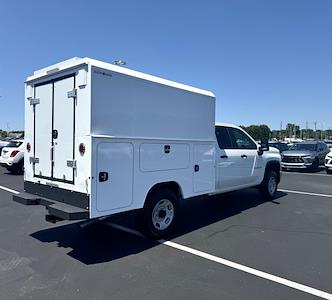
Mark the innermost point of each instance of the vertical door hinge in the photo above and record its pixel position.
(72, 93)
(71, 164)
(33, 101)
(33, 160)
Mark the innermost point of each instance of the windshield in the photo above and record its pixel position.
(14, 144)
(307, 147)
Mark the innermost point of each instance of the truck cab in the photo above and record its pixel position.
(240, 161)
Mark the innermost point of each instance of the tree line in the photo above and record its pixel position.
(259, 132)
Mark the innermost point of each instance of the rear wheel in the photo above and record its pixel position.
(328, 171)
(160, 214)
(269, 186)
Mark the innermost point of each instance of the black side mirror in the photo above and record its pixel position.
(264, 146)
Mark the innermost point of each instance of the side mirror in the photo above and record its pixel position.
(264, 146)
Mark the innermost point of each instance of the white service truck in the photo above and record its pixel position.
(103, 139)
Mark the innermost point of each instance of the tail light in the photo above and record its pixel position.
(13, 154)
(81, 148)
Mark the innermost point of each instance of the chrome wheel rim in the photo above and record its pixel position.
(163, 214)
(272, 185)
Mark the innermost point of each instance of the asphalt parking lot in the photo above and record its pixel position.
(233, 246)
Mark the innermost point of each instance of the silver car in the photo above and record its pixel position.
(305, 155)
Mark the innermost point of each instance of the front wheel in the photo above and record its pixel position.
(160, 214)
(269, 186)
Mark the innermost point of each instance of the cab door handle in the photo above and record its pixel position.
(223, 156)
(244, 156)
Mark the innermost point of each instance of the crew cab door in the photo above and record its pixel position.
(236, 159)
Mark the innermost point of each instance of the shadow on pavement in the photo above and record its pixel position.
(99, 242)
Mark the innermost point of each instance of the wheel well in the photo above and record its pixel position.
(274, 166)
(170, 185)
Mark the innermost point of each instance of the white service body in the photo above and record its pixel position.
(140, 129)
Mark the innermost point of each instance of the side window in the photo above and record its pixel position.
(223, 138)
(241, 140)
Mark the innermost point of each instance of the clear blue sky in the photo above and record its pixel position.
(266, 61)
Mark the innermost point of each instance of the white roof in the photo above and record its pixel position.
(76, 61)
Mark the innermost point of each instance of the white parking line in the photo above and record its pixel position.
(234, 265)
(8, 190)
(305, 193)
(308, 174)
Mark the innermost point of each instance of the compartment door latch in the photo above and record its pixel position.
(103, 176)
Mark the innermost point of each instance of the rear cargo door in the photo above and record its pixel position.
(43, 130)
(54, 129)
(63, 130)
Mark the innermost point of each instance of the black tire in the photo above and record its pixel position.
(153, 212)
(328, 171)
(17, 169)
(269, 186)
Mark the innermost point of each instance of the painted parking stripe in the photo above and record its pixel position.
(234, 265)
(8, 190)
(305, 193)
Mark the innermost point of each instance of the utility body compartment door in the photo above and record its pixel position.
(114, 178)
(203, 176)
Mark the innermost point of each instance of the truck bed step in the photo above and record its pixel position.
(56, 210)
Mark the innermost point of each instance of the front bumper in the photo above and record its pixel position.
(296, 165)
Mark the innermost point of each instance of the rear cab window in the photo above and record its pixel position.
(223, 138)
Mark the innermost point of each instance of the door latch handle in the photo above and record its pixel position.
(223, 156)
(196, 168)
(244, 156)
(103, 176)
(54, 134)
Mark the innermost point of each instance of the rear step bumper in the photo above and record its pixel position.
(57, 211)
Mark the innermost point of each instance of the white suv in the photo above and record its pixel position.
(328, 163)
(12, 156)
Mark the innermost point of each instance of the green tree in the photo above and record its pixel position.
(258, 132)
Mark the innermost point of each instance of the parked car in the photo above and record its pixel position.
(328, 163)
(281, 146)
(12, 156)
(305, 155)
(3, 143)
(328, 143)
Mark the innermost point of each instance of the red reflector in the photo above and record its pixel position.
(81, 148)
(28, 147)
(14, 153)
